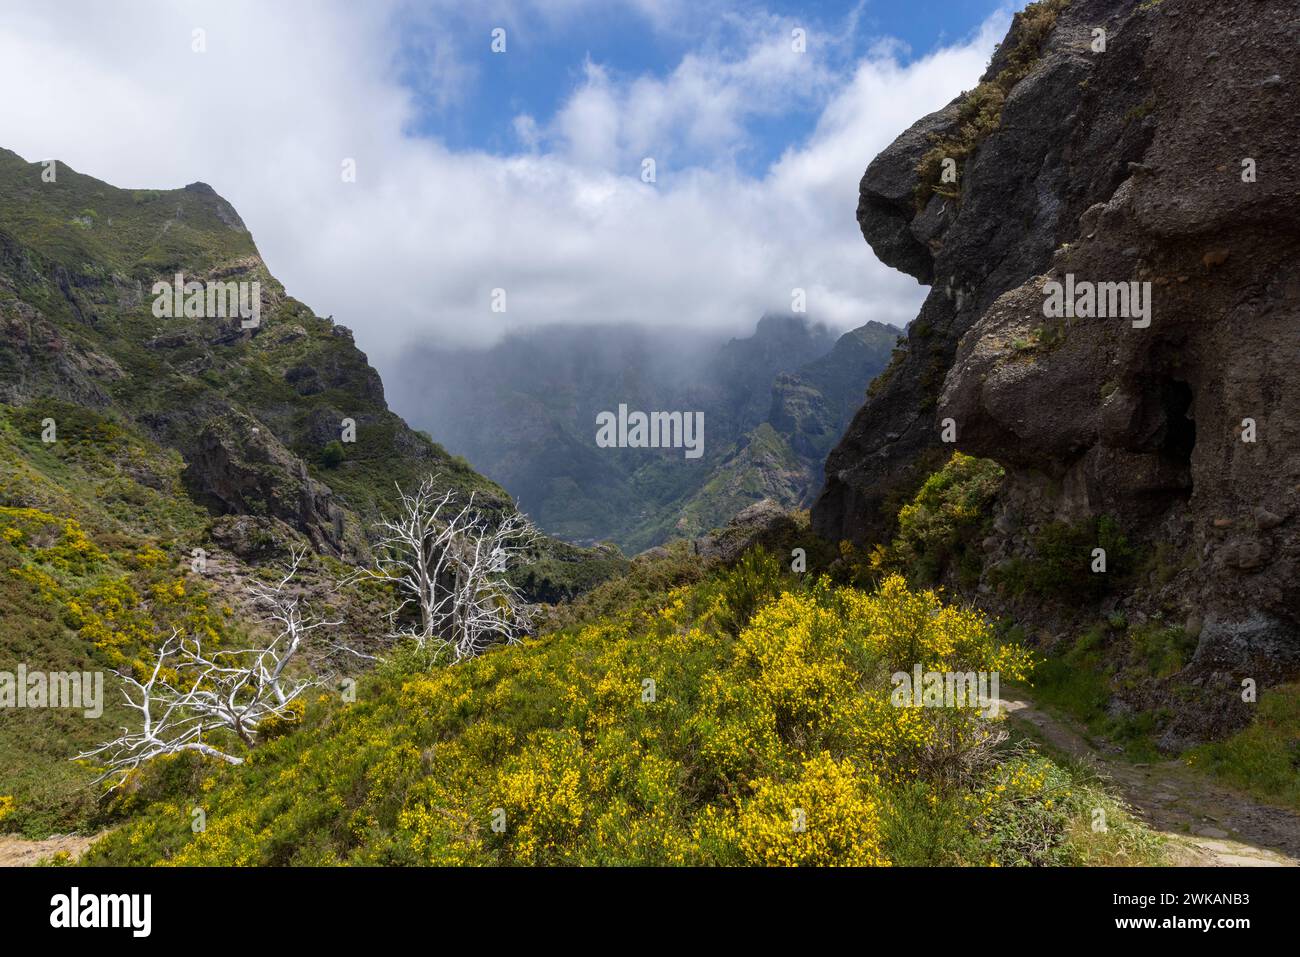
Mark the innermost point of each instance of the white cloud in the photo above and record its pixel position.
(415, 246)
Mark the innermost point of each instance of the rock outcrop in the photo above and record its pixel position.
(765, 523)
(239, 468)
(1165, 159)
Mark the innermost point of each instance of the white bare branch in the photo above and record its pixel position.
(192, 692)
(448, 562)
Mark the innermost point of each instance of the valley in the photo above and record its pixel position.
(987, 591)
(532, 413)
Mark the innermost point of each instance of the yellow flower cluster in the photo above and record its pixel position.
(825, 817)
(58, 542)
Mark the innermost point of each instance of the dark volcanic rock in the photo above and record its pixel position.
(240, 467)
(1117, 167)
(763, 523)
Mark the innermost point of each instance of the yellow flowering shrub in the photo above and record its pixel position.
(746, 719)
(60, 543)
(827, 816)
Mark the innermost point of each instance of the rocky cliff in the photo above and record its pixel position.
(1115, 143)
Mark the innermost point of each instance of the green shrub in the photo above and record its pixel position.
(1061, 569)
(332, 455)
(736, 593)
(1081, 682)
(941, 528)
(1160, 650)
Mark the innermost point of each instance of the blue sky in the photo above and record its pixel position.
(547, 52)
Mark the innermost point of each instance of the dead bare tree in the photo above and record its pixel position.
(192, 693)
(449, 561)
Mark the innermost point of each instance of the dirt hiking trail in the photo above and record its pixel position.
(1206, 823)
(19, 852)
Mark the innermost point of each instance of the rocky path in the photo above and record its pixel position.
(1205, 823)
(20, 852)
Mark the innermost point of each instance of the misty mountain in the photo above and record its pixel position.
(524, 412)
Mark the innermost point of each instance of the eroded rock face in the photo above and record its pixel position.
(38, 358)
(1117, 167)
(240, 468)
(763, 523)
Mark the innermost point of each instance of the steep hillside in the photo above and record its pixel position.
(257, 414)
(79, 261)
(1109, 142)
(813, 405)
(524, 412)
(130, 444)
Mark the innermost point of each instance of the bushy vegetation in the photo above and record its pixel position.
(1061, 569)
(82, 587)
(744, 719)
(940, 530)
(72, 606)
(1075, 680)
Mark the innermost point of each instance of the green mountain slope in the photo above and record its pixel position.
(129, 443)
(252, 411)
(79, 261)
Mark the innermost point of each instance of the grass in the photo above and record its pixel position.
(1082, 681)
(1262, 759)
(89, 526)
(50, 794)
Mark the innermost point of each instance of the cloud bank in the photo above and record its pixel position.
(562, 220)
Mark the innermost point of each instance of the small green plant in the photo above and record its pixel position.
(332, 455)
(739, 592)
(1140, 112)
(1160, 650)
(1049, 335)
(1077, 681)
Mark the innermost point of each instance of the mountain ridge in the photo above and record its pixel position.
(79, 257)
(525, 412)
